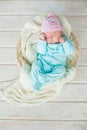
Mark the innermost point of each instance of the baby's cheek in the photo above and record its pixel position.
(55, 39)
(49, 40)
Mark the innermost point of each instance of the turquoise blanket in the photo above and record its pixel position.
(51, 62)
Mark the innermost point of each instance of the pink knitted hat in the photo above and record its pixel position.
(51, 23)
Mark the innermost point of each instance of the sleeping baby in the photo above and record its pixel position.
(53, 48)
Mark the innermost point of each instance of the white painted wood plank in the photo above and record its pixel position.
(42, 125)
(8, 72)
(8, 56)
(9, 39)
(82, 38)
(78, 23)
(55, 110)
(81, 75)
(67, 7)
(47, 111)
(83, 56)
(73, 92)
(14, 22)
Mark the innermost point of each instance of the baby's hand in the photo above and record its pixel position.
(62, 39)
(42, 36)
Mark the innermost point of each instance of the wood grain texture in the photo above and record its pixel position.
(8, 72)
(50, 111)
(67, 111)
(34, 7)
(41, 125)
(78, 23)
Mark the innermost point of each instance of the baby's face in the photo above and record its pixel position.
(53, 37)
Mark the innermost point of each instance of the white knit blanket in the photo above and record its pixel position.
(18, 92)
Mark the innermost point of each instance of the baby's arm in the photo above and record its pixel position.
(41, 45)
(68, 46)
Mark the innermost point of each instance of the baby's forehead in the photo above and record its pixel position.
(52, 33)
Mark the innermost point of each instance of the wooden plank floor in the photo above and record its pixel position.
(67, 112)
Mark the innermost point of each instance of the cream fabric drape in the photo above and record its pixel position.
(18, 92)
